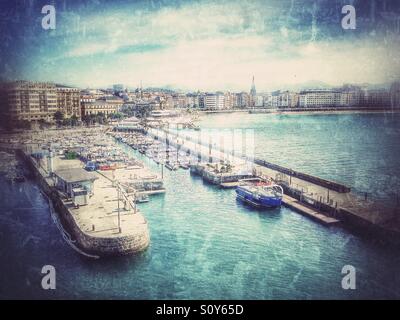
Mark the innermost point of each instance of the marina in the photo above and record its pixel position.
(217, 225)
(97, 206)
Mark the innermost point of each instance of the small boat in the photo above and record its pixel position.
(142, 199)
(90, 166)
(264, 196)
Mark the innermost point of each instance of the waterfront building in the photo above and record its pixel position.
(319, 98)
(214, 101)
(275, 99)
(259, 101)
(351, 98)
(87, 98)
(285, 99)
(29, 101)
(201, 100)
(72, 181)
(68, 101)
(294, 100)
(93, 93)
(131, 123)
(395, 95)
(378, 98)
(267, 99)
(229, 100)
(192, 100)
(243, 100)
(179, 100)
(106, 106)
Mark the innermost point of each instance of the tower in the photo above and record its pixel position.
(253, 91)
(253, 94)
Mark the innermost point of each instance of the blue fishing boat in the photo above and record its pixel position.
(90, 166)
(264, 196)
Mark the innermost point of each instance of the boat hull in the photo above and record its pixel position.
(258, 201)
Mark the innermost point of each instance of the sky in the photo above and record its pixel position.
(201, 45)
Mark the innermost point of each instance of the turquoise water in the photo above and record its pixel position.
(359, 150)
(204, 244)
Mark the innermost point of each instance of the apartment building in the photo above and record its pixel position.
(106, 106)
(68, 101)
(30, 101)
(319, 98)
(214, 101)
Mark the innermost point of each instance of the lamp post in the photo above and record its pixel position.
(119, 215)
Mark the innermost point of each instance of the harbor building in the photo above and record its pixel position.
(351, 96)
(243, 100)
(378, 98)
(229, 100)
(395, 95)
(29, 101)
(319, 98)
(68, 101)
(106, 106)
(214, 101)
(38, 101)
(192, 100)
(73, 181)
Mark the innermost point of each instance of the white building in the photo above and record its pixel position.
(214, 101)
(319, 98)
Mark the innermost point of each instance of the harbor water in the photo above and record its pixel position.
(206, 245)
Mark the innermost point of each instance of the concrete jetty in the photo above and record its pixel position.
(107, 225)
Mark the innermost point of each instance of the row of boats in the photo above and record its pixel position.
(159, 152)
(259, 193)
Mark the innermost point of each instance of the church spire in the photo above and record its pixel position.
(253, 91)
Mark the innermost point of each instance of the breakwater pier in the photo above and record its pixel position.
(322, 200)
(95, 210)
(105, 224)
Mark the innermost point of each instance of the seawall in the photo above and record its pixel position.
(112, 245)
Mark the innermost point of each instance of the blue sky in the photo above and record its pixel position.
(205, 45)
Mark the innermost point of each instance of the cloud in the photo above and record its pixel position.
(212, 46)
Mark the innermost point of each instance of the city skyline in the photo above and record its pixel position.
(202, 45)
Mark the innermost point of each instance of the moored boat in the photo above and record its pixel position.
(264, 196)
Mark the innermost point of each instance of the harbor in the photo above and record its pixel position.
(324, 201)
(215, 241)
(94, 150)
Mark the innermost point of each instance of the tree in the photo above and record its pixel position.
(100, 118)
(116, 115)
(87, 119)
(67, 122)
(74, 120)
(58, 117)
(43, 124)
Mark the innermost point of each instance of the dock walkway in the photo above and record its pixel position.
(312, 213)
(345, 204)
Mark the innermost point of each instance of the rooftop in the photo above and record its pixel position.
(75, 175)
